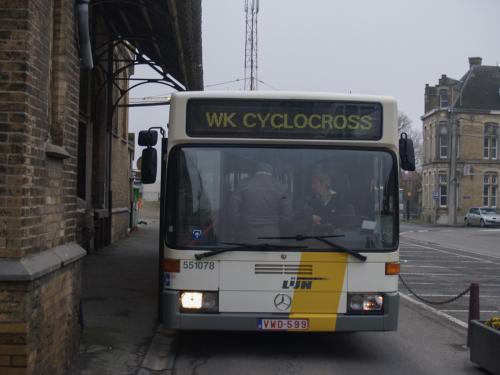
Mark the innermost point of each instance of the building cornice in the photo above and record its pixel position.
(462, 111)
(33, 267)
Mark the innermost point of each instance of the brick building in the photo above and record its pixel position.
(65, 155)
(472, 106)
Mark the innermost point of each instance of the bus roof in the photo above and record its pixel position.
(305, 95)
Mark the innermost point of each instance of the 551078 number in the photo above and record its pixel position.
(198, 265)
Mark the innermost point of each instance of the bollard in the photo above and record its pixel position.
(473, 307)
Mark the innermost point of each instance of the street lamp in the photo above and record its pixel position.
(452, 195)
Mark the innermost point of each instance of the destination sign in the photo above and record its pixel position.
(257, 118)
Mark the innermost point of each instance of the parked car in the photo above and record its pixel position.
(482, 216)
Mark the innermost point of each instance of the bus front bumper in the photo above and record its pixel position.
(172, 318)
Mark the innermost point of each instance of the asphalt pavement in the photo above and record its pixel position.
(483, 241)
(439, 262)
(121, 336)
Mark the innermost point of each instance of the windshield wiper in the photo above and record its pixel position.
(323, 239)
(247, 247)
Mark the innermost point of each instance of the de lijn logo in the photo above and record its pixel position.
(300, 282)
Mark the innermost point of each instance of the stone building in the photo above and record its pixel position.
(65, 155)
(460, 127)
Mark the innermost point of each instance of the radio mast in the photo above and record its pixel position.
(251, 11)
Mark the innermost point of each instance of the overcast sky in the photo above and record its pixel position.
(388, 47)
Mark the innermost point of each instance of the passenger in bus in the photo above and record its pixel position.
(324, 205)
(260, 205)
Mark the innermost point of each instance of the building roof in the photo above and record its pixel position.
(481, 88)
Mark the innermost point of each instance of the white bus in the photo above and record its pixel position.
(280, 211)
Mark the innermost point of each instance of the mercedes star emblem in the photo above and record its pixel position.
(282, 301)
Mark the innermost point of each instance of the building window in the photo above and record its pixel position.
(443, 189)
(443, 139)
(443, 98)
(432, 141)
(427, 144)
(424, 143)
(430, 190)
(490, 189)
(490, 145)
(424, 190)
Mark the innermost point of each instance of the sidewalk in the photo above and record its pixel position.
(119, 301)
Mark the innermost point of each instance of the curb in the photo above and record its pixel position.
(160, 357)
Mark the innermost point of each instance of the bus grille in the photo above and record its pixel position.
(284, 269)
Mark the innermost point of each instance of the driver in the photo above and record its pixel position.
(324, 205)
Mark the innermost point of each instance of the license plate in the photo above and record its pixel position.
(283, 324)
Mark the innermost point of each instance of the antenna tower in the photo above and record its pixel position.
(251, 11)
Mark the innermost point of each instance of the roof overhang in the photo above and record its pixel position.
(168, 32)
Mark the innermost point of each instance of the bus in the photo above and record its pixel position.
(269, 264)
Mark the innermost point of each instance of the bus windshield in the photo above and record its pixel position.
(241, 194)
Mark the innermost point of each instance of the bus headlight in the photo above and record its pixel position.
(365, 302)
(199, 301)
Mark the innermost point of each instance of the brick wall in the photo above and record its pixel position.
(37, 194)
(120, 185)
(15, 125)
(121, 222)
(121, 162)
(121, 172)
(39, 84)
(46, 343)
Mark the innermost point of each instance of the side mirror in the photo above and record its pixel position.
(148, 138)
(148, 165)
(406, 153)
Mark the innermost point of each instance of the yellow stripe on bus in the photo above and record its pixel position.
(320, 304)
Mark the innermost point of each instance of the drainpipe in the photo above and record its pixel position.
(84, 33)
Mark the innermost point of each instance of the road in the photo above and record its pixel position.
(437, 262)
(475, 240)
(440, 262)
(424, 344)
(119, 317)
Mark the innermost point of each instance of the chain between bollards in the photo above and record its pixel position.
(436, 303)
(473, 289)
